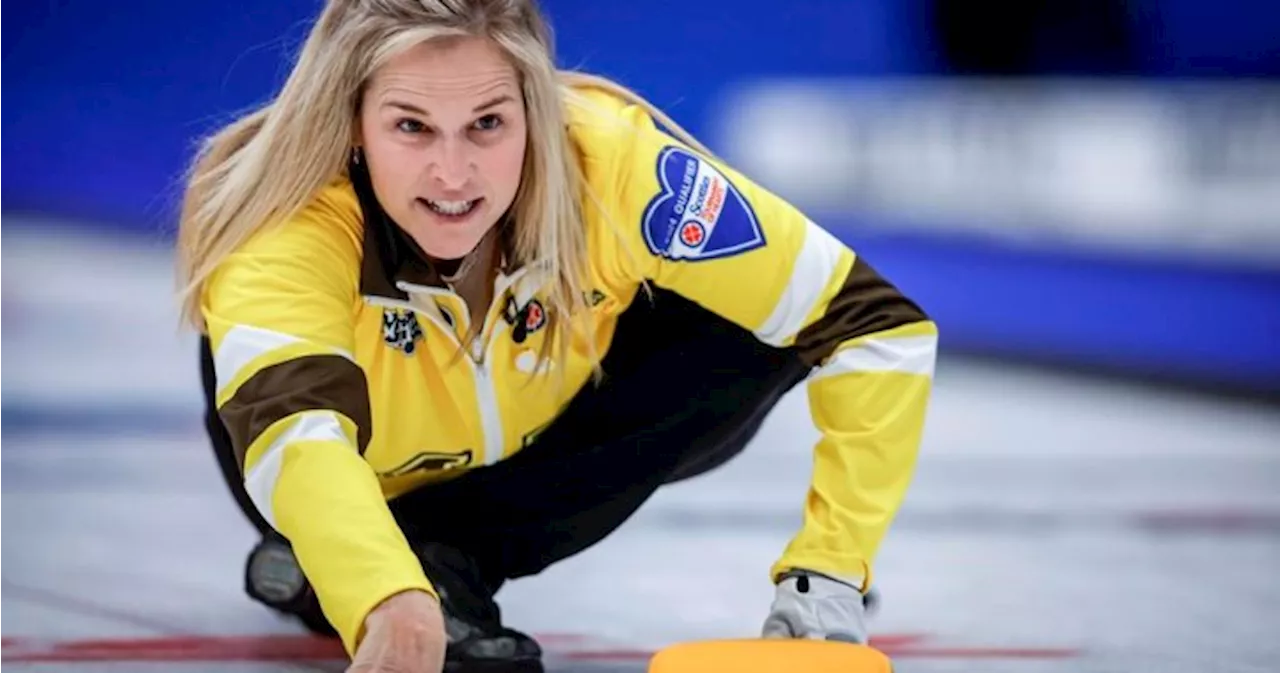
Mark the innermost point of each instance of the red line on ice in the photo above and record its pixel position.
(310, 648)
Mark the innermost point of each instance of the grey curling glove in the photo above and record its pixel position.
(813, 606)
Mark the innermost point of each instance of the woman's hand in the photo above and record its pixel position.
(811, 605)
(405, 634)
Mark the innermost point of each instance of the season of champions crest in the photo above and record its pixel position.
(524, 320)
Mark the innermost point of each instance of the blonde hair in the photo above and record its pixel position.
(265, 166)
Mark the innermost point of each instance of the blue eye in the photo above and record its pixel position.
(488, 122)
(410, 126)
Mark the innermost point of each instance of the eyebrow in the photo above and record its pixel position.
(494, 102)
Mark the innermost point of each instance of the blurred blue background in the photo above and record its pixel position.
(1093, 184)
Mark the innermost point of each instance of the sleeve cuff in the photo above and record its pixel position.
(352, 632)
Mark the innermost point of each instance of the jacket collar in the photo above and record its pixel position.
(391, 260)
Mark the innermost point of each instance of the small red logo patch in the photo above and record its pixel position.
(692, 233)
(534, 316)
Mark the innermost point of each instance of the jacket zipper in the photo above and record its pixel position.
(492, 436)
(490, 414)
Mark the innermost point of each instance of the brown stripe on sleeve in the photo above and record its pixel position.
(302, 384)
(866, 303)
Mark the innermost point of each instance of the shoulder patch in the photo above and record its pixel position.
(698, 213)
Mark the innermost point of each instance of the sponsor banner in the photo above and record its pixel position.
(1187, 170)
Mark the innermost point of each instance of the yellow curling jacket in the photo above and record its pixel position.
(340, 380)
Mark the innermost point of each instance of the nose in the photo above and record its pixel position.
(452, 165)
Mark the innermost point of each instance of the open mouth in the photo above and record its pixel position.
(455, 210)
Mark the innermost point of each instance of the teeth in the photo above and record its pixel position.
(452, 207)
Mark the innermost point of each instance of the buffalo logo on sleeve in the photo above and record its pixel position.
(400, 329)
(524, 320)
(698, 213)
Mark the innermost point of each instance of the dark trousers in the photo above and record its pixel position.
(684, 391)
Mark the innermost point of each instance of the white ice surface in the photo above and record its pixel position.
(1022, 528)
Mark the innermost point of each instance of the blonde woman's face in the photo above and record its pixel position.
(443, 131)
